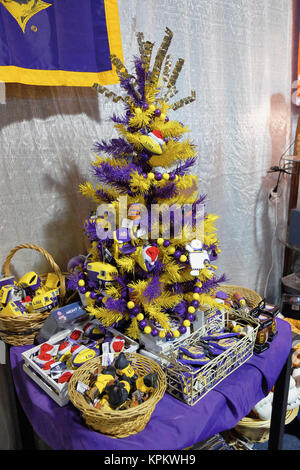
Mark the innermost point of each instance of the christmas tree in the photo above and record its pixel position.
(152, 244)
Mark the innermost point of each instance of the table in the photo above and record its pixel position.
(173, 425)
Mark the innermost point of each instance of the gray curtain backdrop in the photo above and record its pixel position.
(238, 59)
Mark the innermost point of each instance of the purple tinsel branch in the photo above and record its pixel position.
(90, 230)
(182, 169)
(120, 120)
(153, 289)
(165, 192)
(118, 177)
(128, 86)
(116, 147)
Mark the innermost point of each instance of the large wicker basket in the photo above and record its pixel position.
(18, 331)
(251, 297)
(257, 430)
(115, 423)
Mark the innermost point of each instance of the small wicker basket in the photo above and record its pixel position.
(19, 331)
(251, 297)
(257, 430)
(114, 423)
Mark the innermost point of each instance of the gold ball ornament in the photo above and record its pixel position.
(147, 330)
(162, 116)
(130, 304)
(140, 317)
(171, 250)
(87, 294)
(183, 258)
(186, 323)
(196, 296)
(162, 334)
(166, 176)
(176, 333)
(151, 176)
(160, 241)
(151, 108)
(191, 309)
(81, 283)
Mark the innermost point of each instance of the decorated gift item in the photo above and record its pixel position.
(118, 387)
(160, 261)
(267, 329)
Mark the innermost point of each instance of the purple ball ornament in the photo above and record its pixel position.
(145, 106)
(190, 317)
(154, 332)
(172, 176)
(135, 311)
(158, 176)
(93, 295)
(166, 119)
(177, 254)
(169, 335)
(157, 112)
(182, 329)
(197, 290)
(99, 298)
(195, 303)
(142, 324)
(166, 243)
(82, 290)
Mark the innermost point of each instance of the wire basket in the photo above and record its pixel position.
(251, 297)
(19, 331)
(190, 385)
(257, 430)
(116, 423)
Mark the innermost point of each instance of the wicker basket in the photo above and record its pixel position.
(19, 331)
(257, 430)
(115, 423)
(251, 297)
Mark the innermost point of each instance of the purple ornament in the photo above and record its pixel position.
(144, 175)
(167, 119)
(142, 324)
(169, 335)
(82, 290)
(158, 176)
(197, 289)
(166, 243)
(145, 106)
(154, 332)
(135, 311)
(99, 298)
(93, 295)
(190, 317)
(195, 303)
(172, 176)
(182, 329)
(157, 112)
(177, 254)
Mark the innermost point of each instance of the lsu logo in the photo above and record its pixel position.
(23, 10)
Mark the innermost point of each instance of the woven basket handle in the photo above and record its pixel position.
(54, 266)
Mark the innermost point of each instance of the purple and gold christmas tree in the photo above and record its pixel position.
(150, 263)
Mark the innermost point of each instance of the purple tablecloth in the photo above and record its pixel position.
(173, 425)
